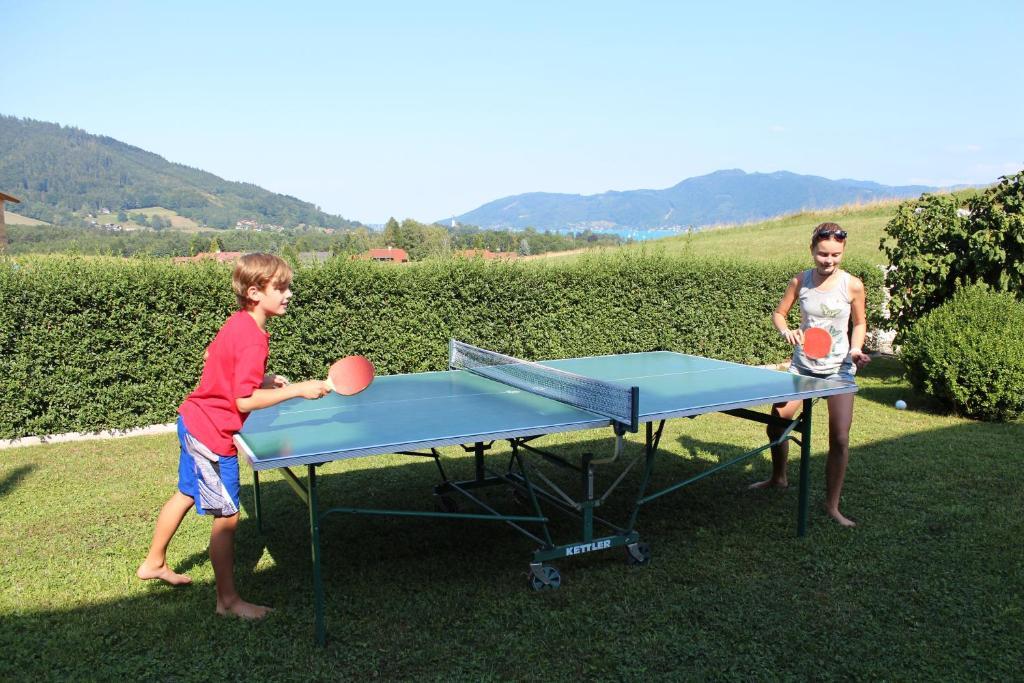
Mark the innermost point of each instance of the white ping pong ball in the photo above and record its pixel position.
(901, 404)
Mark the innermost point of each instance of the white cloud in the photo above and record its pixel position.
(776, 128)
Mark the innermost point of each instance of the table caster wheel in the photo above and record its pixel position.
(544, 578)
(638, 554)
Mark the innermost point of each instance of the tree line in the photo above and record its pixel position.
(421, 241)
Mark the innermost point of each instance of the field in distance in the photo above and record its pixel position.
(787, 237)
(180, 223)
(11, 218)
(790, 236)
(177, 222)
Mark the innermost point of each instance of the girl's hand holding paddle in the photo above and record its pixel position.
(817, 343)
(793, 337)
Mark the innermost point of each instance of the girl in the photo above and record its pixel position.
(829, 298)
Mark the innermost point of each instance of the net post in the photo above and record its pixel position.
(634, 409)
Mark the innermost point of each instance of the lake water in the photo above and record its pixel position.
(635, 235)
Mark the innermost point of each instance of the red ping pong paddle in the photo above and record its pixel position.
(817, 342)
(350, 375)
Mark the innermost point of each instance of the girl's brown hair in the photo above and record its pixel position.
(825, 231)
(256, 270)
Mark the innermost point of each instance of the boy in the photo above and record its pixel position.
(233, 384)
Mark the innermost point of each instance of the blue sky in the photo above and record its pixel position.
(427, 110)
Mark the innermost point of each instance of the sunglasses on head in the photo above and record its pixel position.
(826, 233)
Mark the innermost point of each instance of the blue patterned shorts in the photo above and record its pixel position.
(209, 479)
(845, 374)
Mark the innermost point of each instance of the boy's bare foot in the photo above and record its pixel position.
(839, 517)
(769, 484)
(164, 573)
(242, 609)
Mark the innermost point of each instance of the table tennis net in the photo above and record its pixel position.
(617, 402)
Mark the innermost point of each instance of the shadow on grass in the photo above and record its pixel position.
(434, 598)
(11, 481)
(893, 386)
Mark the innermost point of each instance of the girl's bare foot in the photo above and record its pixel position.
(839, 517)
(164, 573)
(770, 484)
(242, 609)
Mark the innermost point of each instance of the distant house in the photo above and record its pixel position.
(219, 256)
(3, 224)
(390, 255)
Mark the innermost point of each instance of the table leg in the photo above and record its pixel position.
(256, 503)
(805, 466)
(314, 534)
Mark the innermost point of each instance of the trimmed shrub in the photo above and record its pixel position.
(969, 354)
(90, 343)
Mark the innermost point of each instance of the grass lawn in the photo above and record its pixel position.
(930, 586)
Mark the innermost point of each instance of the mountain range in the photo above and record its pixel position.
(60, 171)
(729, 196)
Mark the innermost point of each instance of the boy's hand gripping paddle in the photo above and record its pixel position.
(817, 342)
(350, 375)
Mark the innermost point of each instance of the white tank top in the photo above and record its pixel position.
(829, 310)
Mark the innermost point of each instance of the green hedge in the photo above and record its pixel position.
(98, 343)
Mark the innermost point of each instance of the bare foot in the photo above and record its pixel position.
(242, 609)
(769, 484)
(164, 573)
(839, 517)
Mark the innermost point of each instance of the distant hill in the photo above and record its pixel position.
(731, 196)
(58, 171)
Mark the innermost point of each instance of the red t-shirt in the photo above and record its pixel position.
(236, 361)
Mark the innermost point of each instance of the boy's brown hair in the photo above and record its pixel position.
(256, 270)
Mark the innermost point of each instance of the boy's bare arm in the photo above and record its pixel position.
(264, 398)
(272, 381)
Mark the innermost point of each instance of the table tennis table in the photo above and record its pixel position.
(488, 397)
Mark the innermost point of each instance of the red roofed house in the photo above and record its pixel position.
(390, 254)
(3, 225)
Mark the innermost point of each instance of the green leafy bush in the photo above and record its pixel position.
(940, 243)
(89, 343)
(969, 354)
